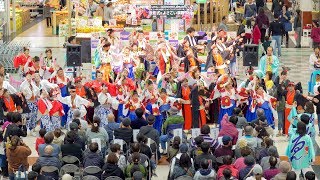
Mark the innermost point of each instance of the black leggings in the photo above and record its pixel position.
(48, 21)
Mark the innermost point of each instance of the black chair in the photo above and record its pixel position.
(51, 172)
(93, 171)
(71, 160)
(90, 177)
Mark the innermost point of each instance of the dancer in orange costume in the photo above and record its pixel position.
(184, 94)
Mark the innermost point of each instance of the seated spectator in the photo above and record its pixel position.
(71, 147)
(239, 163)
(225, 149)
(284, 168)
(111, 168)
(262, 124)
(246, 172)
(40, 139)
(205, 133)
(227, 175)
(135, 148)
(242, 121)
(135, 166)
(98, 133)
(174, 148)
(205, 172)
(196, 150)
(139, 121)
(48, 139)
(150, 132)
(137, 175)
(227, 164)
(310, 175)
(205, 147)
(66, 177)
(124, 132)
(252, 142)
(47, 159)
(17, 155)
(241, 144)
(77, 115)
(272, 151)
(173, 118)
(183, 168)
(111, 126)
(116, 148)
(92, 156)
(264, 151)
(144, 148)
(228, 128)
(58, 139)
(176, 159)
(273, 171)
(80, 136)
(32, 175)
(37, 169)
(257, 173)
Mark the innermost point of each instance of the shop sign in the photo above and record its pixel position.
(168, 11)
(201, 1)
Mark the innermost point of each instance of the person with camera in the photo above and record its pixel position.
(17, 156)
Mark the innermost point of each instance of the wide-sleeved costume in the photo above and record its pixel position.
(44, 107)
(269, 63)
(184, 94)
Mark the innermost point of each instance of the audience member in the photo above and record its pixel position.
(284, 167)
(227, 164)
(183, 168)
(48, 139)
(139, 121)
(206, 172)
(272, 171)
(40, 139)
(111, 126)
(225, 149)
(246, 172)
(111, 167)
(48, 159)
(93, 156)
(228, 128)
(71, 147)
(205, 147)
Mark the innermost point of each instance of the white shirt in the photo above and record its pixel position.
(313, 58)
(7, 85)
(79, 102)
(25, 88)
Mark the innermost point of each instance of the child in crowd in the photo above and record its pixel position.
(40, 139)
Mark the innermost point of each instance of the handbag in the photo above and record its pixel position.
(287, 26)
(21, 173)
(296, 35)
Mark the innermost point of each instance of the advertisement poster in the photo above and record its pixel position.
(160, 24)
(174, 43)
(124, 35)
(173, 2)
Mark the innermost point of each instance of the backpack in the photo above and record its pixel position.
(130, 169)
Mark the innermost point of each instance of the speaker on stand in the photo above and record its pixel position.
(74, 57)
(250, 55)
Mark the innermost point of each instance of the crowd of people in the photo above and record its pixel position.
(155, 90)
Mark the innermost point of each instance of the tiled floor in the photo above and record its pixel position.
(41, 38)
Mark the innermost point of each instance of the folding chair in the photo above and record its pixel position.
(50, 172)
(70, 169)
(71, 160)
(89, 177)
(184, 177)
(154, 149)
(135, 133)
(93, 171)
(122, 144)
(113, 178)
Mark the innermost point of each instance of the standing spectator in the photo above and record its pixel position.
(260, 4)
(273, 171)
(91, 8)
(276, 30)
(256, 35)
(250, 10)
(17, 155)
(297, 25)
(285, 18)
(248, 31)
(223, 24)
(301, 157)
(108, 13)
(315, 34)
(99, 12)
(276, 7)
(262, 21)
(47, 7)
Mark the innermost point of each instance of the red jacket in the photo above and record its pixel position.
(234, 171)
(229, 129)
(315, 34)
(256, 35)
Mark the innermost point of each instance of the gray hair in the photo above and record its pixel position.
(260, 112)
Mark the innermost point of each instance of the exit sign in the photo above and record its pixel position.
(201, 1)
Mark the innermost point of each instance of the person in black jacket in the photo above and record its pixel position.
(71, 147)
(139, 121)
(92, 156)
(276, 30)
(111, 168)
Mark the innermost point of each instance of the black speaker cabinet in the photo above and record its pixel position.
(73, 55)
(250, 55)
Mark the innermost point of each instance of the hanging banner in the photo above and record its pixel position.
(168, 11)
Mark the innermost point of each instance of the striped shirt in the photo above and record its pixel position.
(214, 142)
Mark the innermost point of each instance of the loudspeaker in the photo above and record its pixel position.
(73, 55)
(86, 51)
(250, 55)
